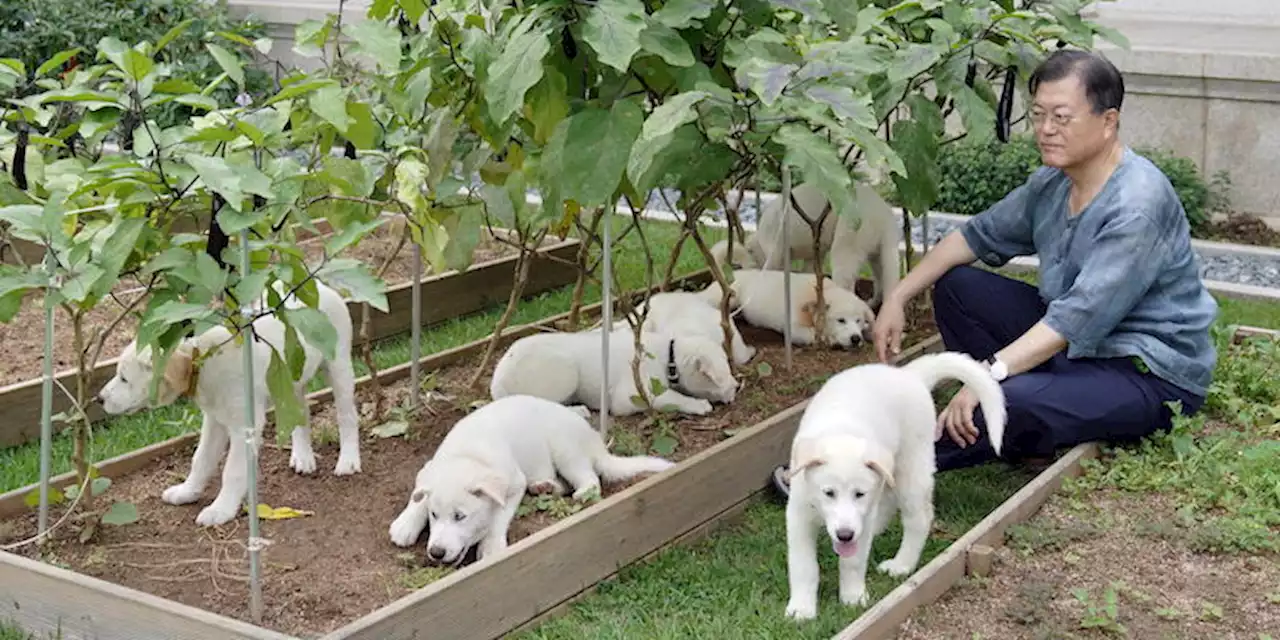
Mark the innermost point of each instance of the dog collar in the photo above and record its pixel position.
(673, 371)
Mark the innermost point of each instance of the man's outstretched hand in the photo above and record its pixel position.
(888, 328)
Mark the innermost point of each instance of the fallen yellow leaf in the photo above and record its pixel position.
(267, 512)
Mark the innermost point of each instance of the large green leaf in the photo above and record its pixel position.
(679, 14)
(613, 28)
(353, 279)
(289, 413)
(517, 68)
(230, 182)
(588, 152)
(977, 115)
(229, 62)
(15, 283)
(820, 164)
(330, 103)
(379, 40)
(314, 327)
(546, 105)
(657, 133)
(666, 43)
(917, 145)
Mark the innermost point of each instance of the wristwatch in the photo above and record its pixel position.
(999, 370)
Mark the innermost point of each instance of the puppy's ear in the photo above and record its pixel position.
(177, 373)
(881, 461)
(804, 455)
(492, 487)
(806, 313)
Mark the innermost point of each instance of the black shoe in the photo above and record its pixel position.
(780, 484)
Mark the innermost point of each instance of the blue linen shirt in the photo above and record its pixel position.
(1120, 278)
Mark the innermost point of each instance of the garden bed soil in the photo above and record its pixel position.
(324, 570)
(1242, 229)
(22, 339)
(1055, 574)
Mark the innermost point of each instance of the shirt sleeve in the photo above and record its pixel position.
(1121, 266)
(1004, 231)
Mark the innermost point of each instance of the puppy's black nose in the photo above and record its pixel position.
(435, 553)
(844, 535)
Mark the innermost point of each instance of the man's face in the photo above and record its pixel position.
(1068, 132)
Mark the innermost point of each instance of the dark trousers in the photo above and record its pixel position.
(1060, 403)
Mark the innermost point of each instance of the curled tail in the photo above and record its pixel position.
(935, 367)
(618, 468)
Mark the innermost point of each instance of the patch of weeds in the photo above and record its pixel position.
(626, 443)
(1031, 607)
(422, 576)
(1222, 465)
(1102, 615)
(556, 507)
(1169, 613)
(1210, 612)
(1034, 537)
(664, 441)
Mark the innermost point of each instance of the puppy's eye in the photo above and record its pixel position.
(459, 516)
(434, 516)
(123, 381)
(857, 495)
(830, 493)
(840, 320)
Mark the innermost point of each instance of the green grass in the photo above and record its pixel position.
(20, 466)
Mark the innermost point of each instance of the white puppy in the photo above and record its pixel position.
(759, 296)
(565, 368)
(850, 241)
(864, 448)
(684, 313)
(216, 386)
(471, 487)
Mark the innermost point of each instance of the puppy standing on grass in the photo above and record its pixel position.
(471, 487)
(865, 448)
(217, 387)
(565, 368)
(759, 296)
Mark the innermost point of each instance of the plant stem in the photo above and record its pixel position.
(81, 438)
(524, 261)
(46, 402)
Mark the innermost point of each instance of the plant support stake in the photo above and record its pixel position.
(606, 318)
(786, 263)
(46, 398)
(251, 451)
(415, 331)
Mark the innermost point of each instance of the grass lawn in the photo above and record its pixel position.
(735, 583)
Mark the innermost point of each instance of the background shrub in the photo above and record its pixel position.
(977, 175)
(34, 30)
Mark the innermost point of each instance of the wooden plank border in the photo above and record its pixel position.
(928, 583)
(12, 502)
(444, 296)
(542, 573)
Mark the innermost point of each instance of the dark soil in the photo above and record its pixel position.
(22, 339)
(1242, 229)
(325, 570)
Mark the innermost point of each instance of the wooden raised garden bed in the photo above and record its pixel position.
(336, 574)
(444, 296)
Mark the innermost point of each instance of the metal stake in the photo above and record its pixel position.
(251, 450)
(606, 316)
(786, 261)
(415, 331)
(46, 398)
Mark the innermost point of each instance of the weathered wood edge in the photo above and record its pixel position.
(551, 567)
(445, 296)
(12, 502)
(928, 583)
(43, 598)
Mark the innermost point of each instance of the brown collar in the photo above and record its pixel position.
(193, 378)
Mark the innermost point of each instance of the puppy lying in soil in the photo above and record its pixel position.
(685, 313)
(565, 368)
(217, 386)
(865, 448)
(758, 294)
(468, 492)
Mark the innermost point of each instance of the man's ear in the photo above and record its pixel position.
(881, 461)
(492, 487)
(804, 455)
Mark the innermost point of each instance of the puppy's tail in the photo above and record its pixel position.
(936, 367)
(618, 468)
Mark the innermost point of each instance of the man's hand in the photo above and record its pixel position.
(957, 419)
(891, 321)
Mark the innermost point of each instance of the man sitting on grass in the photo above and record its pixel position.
(1120, 324)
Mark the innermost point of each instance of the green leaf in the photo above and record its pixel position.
(613, 28)
(391, 429)
(230, 182)
(197, 101)
(229, 62)
(294, 355)
(498, 205)
(918, 148)
(380, 40)
(518, 68)
(172, 34)
(55, 63)
(173, 312)
(546, 104)
(1111, 35)
(15, 283)
(315, 328)
(820, 164)
(679, 14)
(32, 499)
(350, 234)
(658, 131)
(99, 485)
(121, 513)
(843, 13)
(855, 110)
(588, 152)
(666, 43)
(288, 407)
(913, 61)
(978, 117)
(664, 445)
(353, 279)
(330, 103)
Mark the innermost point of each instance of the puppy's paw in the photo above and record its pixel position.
(404, 531)
(802, 610)
(582, 410)
(854, 596)
(303, 462)
(700, 407)
(582, 492)
(895, 567)
(347, 465)
(216, 514)
(547, 487)
(180, 494)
